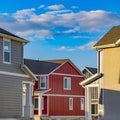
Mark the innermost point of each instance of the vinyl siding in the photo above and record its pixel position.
(16, 57)
(111, 84)
(112, 68)
(11, 96)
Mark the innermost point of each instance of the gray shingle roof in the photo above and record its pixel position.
(5, 32)
(92, 70)
(40, 67)
(111, 37)
(8, 33)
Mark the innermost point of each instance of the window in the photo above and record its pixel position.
(82, 101)
(6, 51)
(67, 83)
(43, 82)
(94, 109)
(94, 99)
(36, 103)
(70, 103)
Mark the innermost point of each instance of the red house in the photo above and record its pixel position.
(57, 93)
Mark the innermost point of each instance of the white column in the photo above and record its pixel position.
(40, 105)
(88, 107)
(28, 110)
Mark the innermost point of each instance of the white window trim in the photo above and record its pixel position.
(45, 82)
(70, 104)
(64, 83)
(8, 40)
(82, 102)
(34, 103)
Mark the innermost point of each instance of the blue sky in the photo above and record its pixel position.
(60, 29)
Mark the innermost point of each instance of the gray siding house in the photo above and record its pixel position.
(13, 76)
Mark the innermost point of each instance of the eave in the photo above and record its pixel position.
(28, 72)
(116, 44)
(91, 79)
(14, 38)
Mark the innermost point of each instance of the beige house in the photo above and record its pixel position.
(103, 88)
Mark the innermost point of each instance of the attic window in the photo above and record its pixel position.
(6, 51)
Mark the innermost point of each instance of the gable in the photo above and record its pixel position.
(67, 68)
(111, 37)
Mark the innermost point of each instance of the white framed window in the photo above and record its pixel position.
(82, 102)
(70, 103)
(35, 103)
(6, 51)
(43, 82)
(67, 83)
(94, 100)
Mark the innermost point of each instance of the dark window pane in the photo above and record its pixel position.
(36, 103)
(6, 57)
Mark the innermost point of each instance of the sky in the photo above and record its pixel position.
(60, 29)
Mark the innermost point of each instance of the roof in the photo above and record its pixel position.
(60, 61)
(92, 70)
(28, 72)
(111, 37)
(91, 79)
(5, 33)
(40, 67)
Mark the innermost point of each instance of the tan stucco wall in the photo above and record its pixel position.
(111, 64)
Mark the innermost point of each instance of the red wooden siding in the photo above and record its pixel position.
(36, 85)
(57, 85)
(67, 68)
(44, 111)
(59, 106)
(35, 112)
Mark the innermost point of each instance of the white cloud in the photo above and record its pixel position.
(56, 20)
(56, 7)
(87, 46)
(41, 6)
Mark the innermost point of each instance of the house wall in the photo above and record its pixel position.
(68, 69)
(16, 57)
(11, 96)
(11, 80)
(56, 84)
(111, 84)
(112, 68)
(59, 106)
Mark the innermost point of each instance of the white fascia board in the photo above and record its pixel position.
(118, 42)
(91, 79)
(28, 72)
(104, 46)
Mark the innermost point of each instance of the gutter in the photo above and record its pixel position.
(91, 79)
